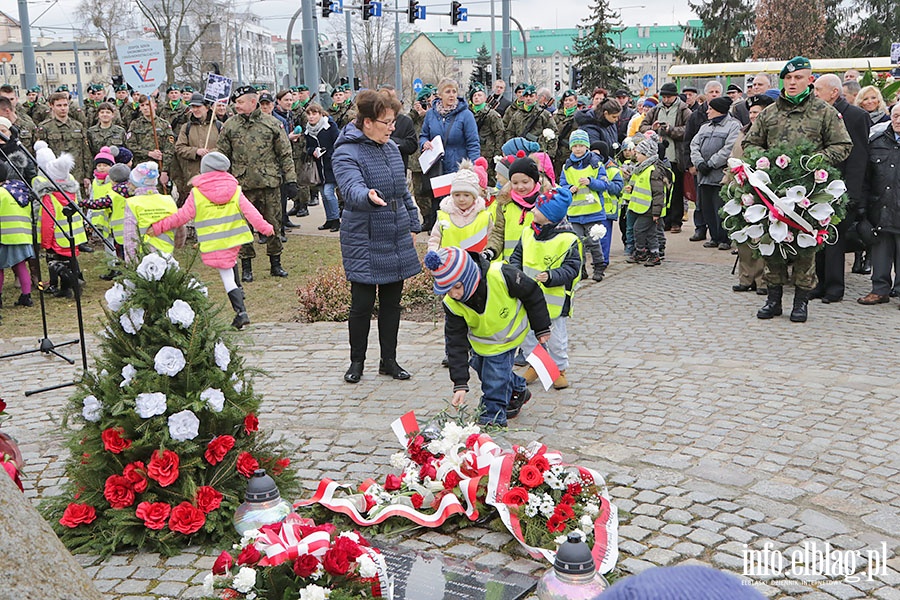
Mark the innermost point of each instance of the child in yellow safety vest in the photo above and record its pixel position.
(15, 233)
(219, 210)
(550, 252)
(512, 210)
(107, 207)
(143, 208)
(647, 192)
(463, 219)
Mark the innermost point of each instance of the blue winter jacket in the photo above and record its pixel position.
(376, 246)
(462, 139)
(600, 184)
(597, 127)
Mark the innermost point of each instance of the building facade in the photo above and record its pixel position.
(56, 64)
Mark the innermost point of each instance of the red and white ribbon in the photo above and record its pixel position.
(289, 543)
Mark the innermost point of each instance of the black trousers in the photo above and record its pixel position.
(362, 303)
(675, 212)
(710, 203)
(830, 266)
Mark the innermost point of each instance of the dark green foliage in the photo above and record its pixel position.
(596, 53)
(725, 33)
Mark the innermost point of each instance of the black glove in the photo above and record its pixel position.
(292, 189)
(704, 168)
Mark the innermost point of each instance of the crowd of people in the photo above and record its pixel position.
(539, 187)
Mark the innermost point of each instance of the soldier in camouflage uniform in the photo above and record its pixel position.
(342, 108)
(797, 116)
(125, 108)
(142, 143)
(516, 105)
(95, 96)
(261, 160)
(175, 110)
(105, 132)
(75, 111)
(531, 120)
(565, 125)
(64, 134)
(491, 134)
(36, 108)
(19, 117)
(285, 109)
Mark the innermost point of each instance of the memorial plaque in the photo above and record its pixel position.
(429, 576)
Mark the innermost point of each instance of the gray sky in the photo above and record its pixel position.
(531, 13)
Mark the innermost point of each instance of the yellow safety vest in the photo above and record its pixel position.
(585, 201)
(100, 217)
(220, 226)
(472, 237)
(611, 202)
(512, 230)
(641, 197)
(77, 224)
(544, 255)
(148, 209)
(503, 324)
(117, 216)
(15, 220)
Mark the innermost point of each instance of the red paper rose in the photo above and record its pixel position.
(370, 502)
(251, 423)
(2, 405)
(249, 556)
(470, 441)
(246, 464)
(564, 511)
(517, 496)
(417, 500)
(348, 547)
(118, 491)
(136, 473)
(113, 440)
(223, 564)
(78, 514)
(163, 467)
(336, 562)
(555, 524)
(154, 515)
(13, 473)
(540, 461)
(186, 518)
(392, 483)
(451, 480)
(305, 565)
(531, 476)
(428, 470)
(280, 465)
(217, 448)
(567, 499)
(208, 499)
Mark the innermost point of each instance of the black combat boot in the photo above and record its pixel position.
(772, 307)
(801, 306)
(240, 313)
(247, 270)
(275, 266)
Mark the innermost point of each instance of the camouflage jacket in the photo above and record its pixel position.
(259, 151)
(176, 115)
(128, 111)
(139, 140)
(531, 125)
(565, 125)
(25, 126)
(91, 110)
(813, 121)
(343, 114)
(514, 109)
(114, 135)
(38, 111)
(70, 137)
(491, 134)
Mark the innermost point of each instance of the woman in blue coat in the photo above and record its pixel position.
(378, 228)
(450, 118)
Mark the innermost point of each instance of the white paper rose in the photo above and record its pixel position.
(597, 231)
(152, 267)
(313, 592)
(150, 404)
(91, 409)
(548, 134)
(367, 566)
(169, 361)
(183, 426)
(181, 314)
(246, 579)
(128, 373)
(222, 355)
(238, 383)
(214, 398)
(116, 296)
(133, 320)
(196, 285)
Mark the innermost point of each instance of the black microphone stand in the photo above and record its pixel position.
(46, 345)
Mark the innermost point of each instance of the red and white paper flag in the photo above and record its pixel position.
(404, 426)
(441, 185)
(540, 361)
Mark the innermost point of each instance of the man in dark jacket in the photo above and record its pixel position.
(830, 260)
(623, 97)
(882, 188)
(497, 100)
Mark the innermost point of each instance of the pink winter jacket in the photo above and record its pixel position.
(218, 187)
(458, 218)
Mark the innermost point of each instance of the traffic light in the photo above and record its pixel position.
(577, 78)
(366, 9)
(340, 50)
(455, 9)
(413, 11)
(326, 8)
(557, 86)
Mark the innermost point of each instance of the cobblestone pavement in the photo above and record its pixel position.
(716, 431)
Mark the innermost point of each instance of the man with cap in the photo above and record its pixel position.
(187, 92)
(516, 104)
(197, 138)
(125, 107)
(491, 134)
(669, 119)
(18, 116)
(531, 121)
(174, 109)
(105, 132)
(146, 146)
(712, 90)
(342, 110)
(739, 108)
(623, 97)
(96, 94)
(261, 160)
(565, 125)
(797, 117)
(497, 100)
(267, 106)
(35, 106)
(488, 307)
(691, 95)
(301, 101)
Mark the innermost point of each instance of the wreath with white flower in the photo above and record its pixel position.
(784, 201)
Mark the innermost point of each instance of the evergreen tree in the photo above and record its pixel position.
(880, 25)
(602, 63)
(788, 29)
(481, 73)
(842, 27)
(725, 33)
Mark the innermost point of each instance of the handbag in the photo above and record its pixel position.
(308, 173)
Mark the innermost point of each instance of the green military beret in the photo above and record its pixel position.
(528, 90)
(424, 95)
(258, 87)
(173, 88)
(567, 94)
(187, 88)
(476, 87)
(122, 87)
(36, 89)
(795, 64)
(302, 88)
(63, 88)
(241, 91)
(95, 87)
(520, 87)
(338, 89)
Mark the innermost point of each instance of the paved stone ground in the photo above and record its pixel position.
(716, 431)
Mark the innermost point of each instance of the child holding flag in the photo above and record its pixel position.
(463, 219)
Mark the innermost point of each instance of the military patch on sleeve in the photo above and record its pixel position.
(171, 139)
(840, 116)
(128, 135)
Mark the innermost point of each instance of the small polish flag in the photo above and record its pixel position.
(441, 185)
(541, 362)
(404, 426)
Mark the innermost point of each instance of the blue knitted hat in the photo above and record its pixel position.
(452, 265)
(519, 143)
(685, 582)
(554, 204)
(579, 136)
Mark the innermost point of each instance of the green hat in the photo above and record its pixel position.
(795, 64)
(528, 90)
(476, 87)
(63, 88)
(579, 136)
(258, 86)
(520, 86)
(241, 91)
(338, 89)
(173, 88)
(567, 94)
(188, 88)
(302, 88)
(36, 89)
(95, 87)
(122, 87)
(424, 95)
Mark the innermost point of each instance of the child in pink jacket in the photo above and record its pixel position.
(219, 208)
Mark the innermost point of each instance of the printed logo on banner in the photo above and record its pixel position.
(218, 87)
